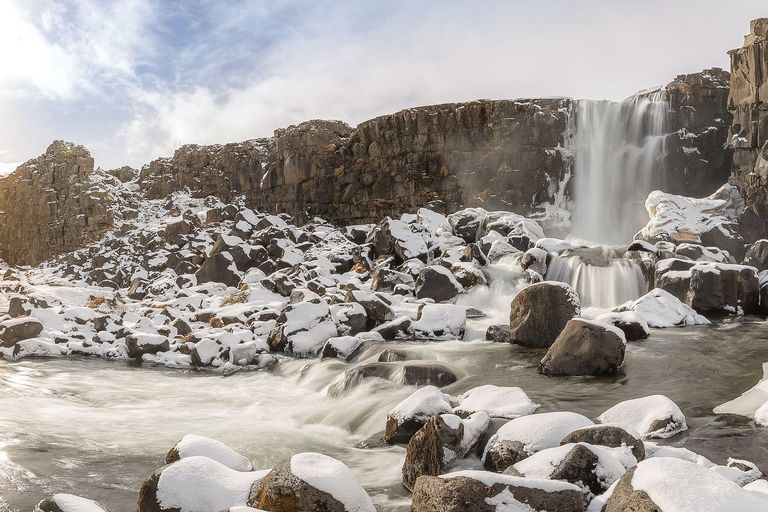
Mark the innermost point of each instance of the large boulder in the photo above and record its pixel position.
(192, 445)
(219, 268)
(496, 401)
(395, 237)
(610, 436)
(585, 347)
(18, 329)
(722, 287)
(483, 491)
(141, 343)
(311, 481)
(303, 328)
(539, 313)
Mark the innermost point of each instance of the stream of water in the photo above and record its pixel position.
(98, 428)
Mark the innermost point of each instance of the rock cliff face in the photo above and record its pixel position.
(52, 205)
(748, 135)
(698, 161)
(498, 154)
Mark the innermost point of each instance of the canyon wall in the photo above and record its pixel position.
(748, 135)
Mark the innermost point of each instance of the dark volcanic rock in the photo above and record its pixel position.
(425, 454)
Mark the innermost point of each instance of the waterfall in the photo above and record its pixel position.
(619, 150)
(600, 276)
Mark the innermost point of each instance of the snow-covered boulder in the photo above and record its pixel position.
(68, 503)
(594, 468)
(661, 309)
(526, 435)
(196, 483)
(585, 347)
(192, 445)
(433, 448)
(535, 259)
(540, 311)
(303, 328)
(395, 237)
(437, 283)
(342, 347)
(468, 223)
(408, 416)
(654, 416)
(497, 402)
(484, 491)
(377, 310)
(670, 484)
(350, 318)
(439, 322)
(311, 481)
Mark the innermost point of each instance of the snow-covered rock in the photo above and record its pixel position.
(661, 309)
(408, 416)
(192, 445)
(497, 402)
(654, 416)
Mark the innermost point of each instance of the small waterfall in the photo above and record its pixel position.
(600, 276)
(619, 152)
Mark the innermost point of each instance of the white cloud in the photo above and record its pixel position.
(7, 168)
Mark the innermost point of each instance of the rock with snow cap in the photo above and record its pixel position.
(311, 481)
(496, 401)
(18, 329)
(654, 416)
(408, 416)
(68, 503)
(197, 483)
(610, 436)
(526, 435)
(303, 328)
(192, 445)
(219, 268)
(140, 343)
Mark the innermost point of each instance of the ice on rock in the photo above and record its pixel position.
(192, 445)
(200, 484)
(652, 416)
(539, 431)
(662, 309)
(682, 486)
(331, 476)
(498, 402)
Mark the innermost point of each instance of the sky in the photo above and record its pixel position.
(133, 79)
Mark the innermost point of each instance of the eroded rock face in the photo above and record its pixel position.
(51, 205)
(748, 136)
(501, 154)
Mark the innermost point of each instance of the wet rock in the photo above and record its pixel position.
(427, 374)
(18, 329)
(498, 333)
(535, 259)
(356, 376)
(585, 348)
(391, 356)
(285, 488)
(437, 283)
(539, 313)
(631, 324)
(607, 435)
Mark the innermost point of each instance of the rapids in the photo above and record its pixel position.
(98, 428)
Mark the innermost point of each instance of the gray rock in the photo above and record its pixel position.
(607, 435)
(584, 348)
(539, 313)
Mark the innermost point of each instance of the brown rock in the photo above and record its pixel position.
(540, 312)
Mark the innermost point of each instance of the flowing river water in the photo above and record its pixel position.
(98, 428)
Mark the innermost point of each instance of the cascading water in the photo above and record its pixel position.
(619, 152)
(600, 276)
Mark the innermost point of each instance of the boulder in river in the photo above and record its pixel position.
(407, 417)
(539, 313)
(311, 481)
(437, 283)
(608, 435)
(654, 416)
(585, 347)
(192, 445)
(68, 503)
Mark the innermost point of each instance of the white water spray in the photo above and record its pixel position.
(619, 155)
